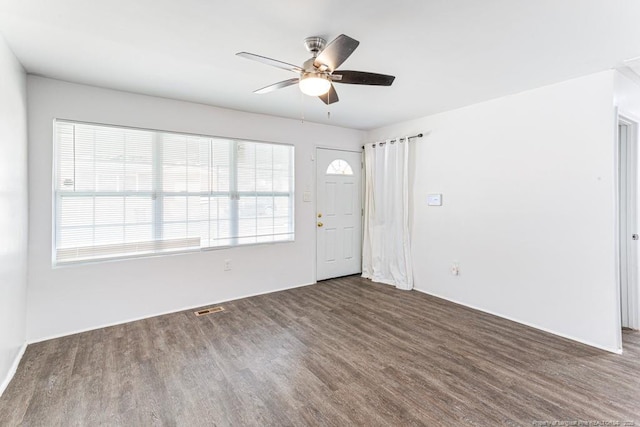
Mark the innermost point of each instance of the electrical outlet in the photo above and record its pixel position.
(455, 269)
(227, 264)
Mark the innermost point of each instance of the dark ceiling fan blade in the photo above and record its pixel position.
(336, 52)
(362, 78)
(270, 61)
(278, 85)
(330, 97)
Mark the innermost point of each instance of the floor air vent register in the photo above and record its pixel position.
(209, 310)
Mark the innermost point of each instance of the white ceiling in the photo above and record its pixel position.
(444, 53)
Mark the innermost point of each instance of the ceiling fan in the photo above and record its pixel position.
(317, 74)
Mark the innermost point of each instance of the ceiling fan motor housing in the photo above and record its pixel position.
(308, 66)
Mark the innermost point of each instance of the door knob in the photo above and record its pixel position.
(320, 224)
(634, 236)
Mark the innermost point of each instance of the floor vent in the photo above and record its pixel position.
(209, 310)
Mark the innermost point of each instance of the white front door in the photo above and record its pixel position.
(339, 213)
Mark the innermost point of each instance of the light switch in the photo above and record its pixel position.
(434, 199)
(306, 196)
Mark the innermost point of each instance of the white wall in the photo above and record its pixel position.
(13, 211)
(74, 298)
(528, 184)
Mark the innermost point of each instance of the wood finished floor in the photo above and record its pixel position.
(342, 352)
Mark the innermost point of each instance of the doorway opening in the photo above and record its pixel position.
(628, 222)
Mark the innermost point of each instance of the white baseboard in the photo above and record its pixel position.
(93, 328)
(531, 325)
(13, 369)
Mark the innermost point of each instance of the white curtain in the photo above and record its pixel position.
(386, 249)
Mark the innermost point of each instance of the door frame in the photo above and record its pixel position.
(315, 199)
(627, 209)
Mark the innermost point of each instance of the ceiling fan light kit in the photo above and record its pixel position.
(314, 84)
(318, 73)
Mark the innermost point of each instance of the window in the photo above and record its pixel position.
(122, 192)
(339, 167)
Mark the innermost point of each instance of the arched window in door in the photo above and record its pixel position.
(339, 167)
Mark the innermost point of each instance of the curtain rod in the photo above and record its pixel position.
(394, 140)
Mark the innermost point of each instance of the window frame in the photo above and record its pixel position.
(158, 195)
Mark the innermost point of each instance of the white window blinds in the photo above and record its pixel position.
(122, 192)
